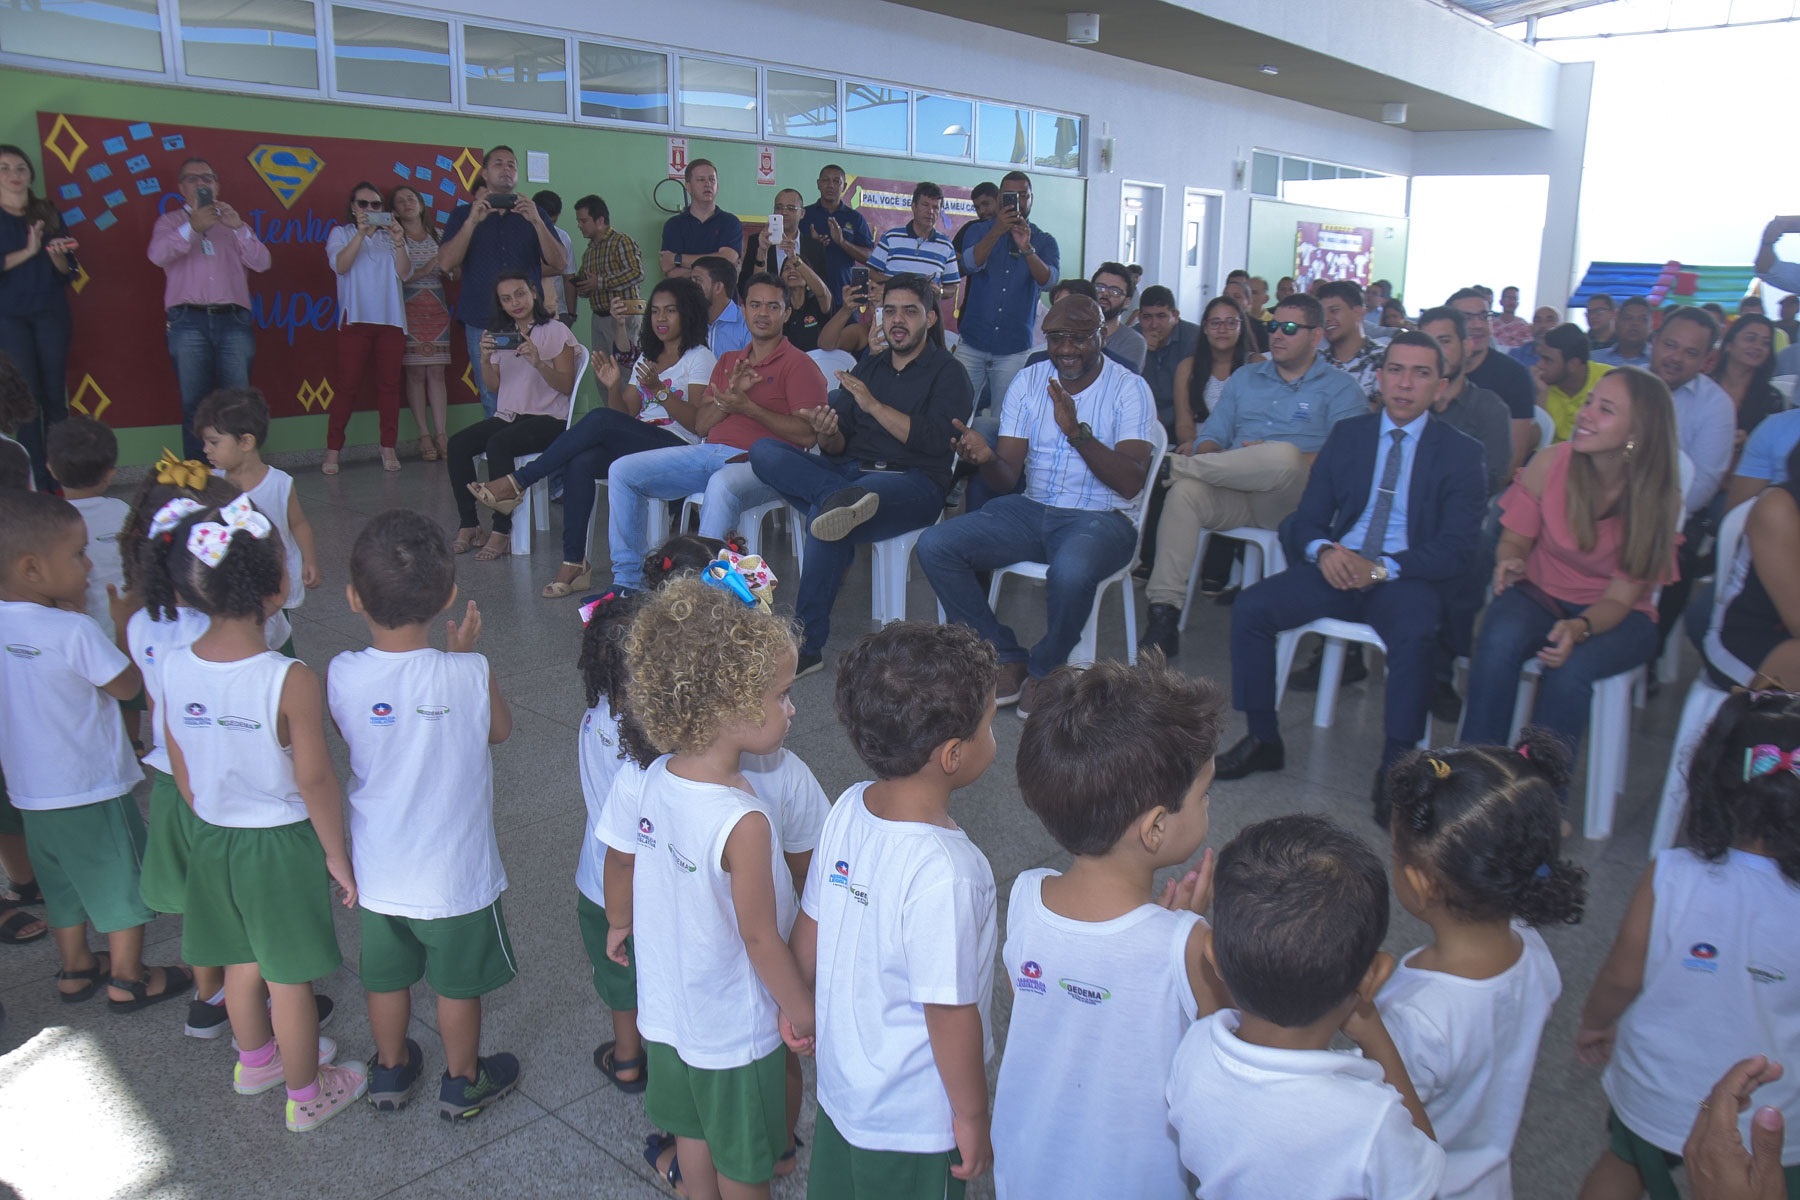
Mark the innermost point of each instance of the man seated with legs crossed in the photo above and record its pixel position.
(1079, 426)
(885, 468)
(1249, 461)
(1389, 521)
(755, 393)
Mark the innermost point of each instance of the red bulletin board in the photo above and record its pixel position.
(111, 178)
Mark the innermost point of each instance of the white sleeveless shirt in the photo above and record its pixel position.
(597, 753)
(1721, 983)
(1099, 1008)
(421, 794)
(151, 641)
(271, 497)
(224, 717)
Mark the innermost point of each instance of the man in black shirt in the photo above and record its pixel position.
(1500, 374)
(885, 458)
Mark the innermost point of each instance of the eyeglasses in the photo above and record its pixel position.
(367, 203)
(1223, 325)
(1288, 328)
(1060, 338)
(199, 179)
(1107, 289)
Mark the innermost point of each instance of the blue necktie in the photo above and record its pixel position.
(1384, 499)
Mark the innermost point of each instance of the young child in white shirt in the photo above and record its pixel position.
(83, 455)
(897, 925)
(708, 681)
(1478, 858)
(419, 722)
(1702, 974)
(232, 424)
(1117, 762)
(1263, 1108)
(68, 766)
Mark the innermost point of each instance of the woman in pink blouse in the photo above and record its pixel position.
(528, 361)
(1588, 536)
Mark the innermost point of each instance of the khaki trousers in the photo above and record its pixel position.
(1256, 485)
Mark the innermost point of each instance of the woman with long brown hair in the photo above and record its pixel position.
(427, 323)
(38, 261)
(1225, 344)
(1588, 535)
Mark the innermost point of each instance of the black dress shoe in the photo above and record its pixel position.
(1248, 757)
(1384, 811)
(1162, 629)
(1446, 705)
(1306, 679)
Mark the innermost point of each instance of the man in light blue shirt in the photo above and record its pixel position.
(726, 330)
(1631, 336)
(1764, 461)
(1008, 262)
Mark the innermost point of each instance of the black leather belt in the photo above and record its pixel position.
(211, 308)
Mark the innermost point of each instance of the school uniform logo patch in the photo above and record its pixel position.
(381, 713)
(682, 860)
(1085, 993)
(20, 650)
(1031, 978)
(239, 724)
(1703, 957)
(196, 716)
(840, 874)
(1763, 973)
(433, 712)
(645, 829)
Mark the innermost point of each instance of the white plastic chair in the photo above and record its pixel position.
(534, 507)
(1085, 650)
(1546, 425)
(1337, 636)
(890, 566)
(750, 522)
(1700, 706)
(1263, 556)
(1608, 738)
(1668, 663)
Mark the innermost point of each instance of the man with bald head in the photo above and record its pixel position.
(1079, 426)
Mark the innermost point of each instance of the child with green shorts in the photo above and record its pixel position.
(708, 681)
(245, 730)
(69, 766)
(418, 722)
(897, 928)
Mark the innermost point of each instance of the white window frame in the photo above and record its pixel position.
(336, 93)
(171, 12)
(669, 56)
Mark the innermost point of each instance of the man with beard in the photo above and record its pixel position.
(1499, 373)
(1008, 262)
(1113, 284)
(885, 460)
(1081, 429)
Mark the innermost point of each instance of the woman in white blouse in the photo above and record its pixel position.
(370, 263)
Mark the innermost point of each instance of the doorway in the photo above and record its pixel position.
(1140, 226)
(1199, 272)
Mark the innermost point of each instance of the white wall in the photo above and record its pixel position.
(1168, 128)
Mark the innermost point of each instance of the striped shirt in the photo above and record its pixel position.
(901, 250)
(1117, 406)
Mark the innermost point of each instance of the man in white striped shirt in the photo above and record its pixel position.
(918, 247)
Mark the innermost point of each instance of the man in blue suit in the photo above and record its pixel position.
(1385, 529)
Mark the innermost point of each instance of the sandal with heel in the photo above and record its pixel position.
(487, 499)
(557, 589)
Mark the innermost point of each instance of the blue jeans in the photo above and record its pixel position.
(472, 339)
(39, 344)
(582, 454)
(909, 500)
(212, 350)
(1082, 547)
(979, 492)
(1514, 630)
(993, 371)
(674, 473)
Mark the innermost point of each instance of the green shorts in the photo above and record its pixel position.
(840, 1171)
(10, 820)
(287, 647)
(173, 827)
(462, 957)
(87, 861)
(1656, 1166)
(261, 896)
(740, 1113)
(616, 985)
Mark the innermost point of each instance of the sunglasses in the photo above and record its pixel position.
(368, 203)
(1068, 339)
(1288, 328)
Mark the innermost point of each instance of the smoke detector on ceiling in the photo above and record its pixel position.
(1083, 29)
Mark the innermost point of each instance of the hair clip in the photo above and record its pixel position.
(1524, 750)
(210, 541)
(587, 610)
(723, 575)
(668, 563)
(172, 514)
(182, 473)
(1543, 871)
(1439, 768)
(1770, 760)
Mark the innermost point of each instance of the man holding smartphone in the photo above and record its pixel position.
(782, 239)
(206, 252)
(612, 268)
(1009, 261)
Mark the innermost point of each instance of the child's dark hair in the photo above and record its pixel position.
(1110, 743)
(80, 451)
(1299, 911)
(602, 666)
(906, 689)
(683, 554)
(17, 404)
(1485, 823)
(240, 585)
(29, 523)
(15, 467)
(235, 412)
(1735, 796)
(401, 569)
(146, 560)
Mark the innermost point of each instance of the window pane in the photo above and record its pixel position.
(717, 95)
(1295, 168)
(874, 116)
(254, 41)
(801, 106)
(943, 126)
(380, 54)
(104, 33)
(503, 69)
(1057, 141)
(619, 84)
(1265, 174)
(1003, 136)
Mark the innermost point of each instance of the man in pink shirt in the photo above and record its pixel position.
(206, 250)
(754, 395)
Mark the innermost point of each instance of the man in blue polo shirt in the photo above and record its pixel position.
(1009, 261)
(918, 248)
(702, 227)
(501, 231)
(839, 228)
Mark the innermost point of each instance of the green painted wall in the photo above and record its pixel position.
(1272, 239)
(621, 166)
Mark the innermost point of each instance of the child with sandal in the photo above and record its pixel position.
(69, 766)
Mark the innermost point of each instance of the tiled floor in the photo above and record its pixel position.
(96, 1105)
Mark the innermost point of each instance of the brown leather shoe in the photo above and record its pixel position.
(1010, 684)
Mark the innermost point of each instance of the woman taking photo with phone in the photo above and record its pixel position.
(427, 323)
(528, 362)
(370, 264)
(34, 309)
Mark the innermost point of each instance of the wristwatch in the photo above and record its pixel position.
(678, 260)
(1083, 433)
(1379, 573)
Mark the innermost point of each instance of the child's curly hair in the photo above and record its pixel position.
(252, 570)
(146, 562)
(1727, 804)
(602, 666)
(700, 661)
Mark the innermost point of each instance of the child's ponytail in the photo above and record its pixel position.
(1744, 782)
(602, 666)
